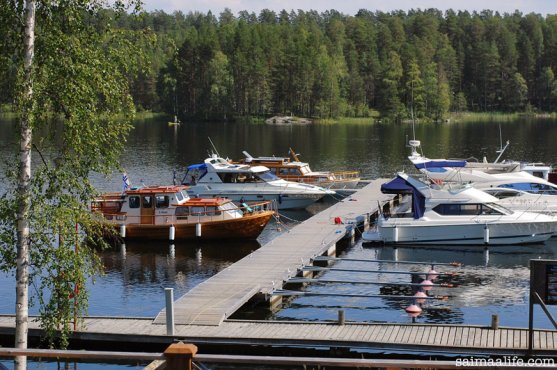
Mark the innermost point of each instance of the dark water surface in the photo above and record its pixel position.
(492, 282)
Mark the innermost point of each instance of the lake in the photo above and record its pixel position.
(493, 281)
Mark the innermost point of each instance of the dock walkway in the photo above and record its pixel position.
(424, 338)
(266, 269)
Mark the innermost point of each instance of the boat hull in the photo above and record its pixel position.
(467, 233)
(248, 227)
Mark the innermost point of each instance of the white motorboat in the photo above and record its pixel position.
(456, 215)
(217, 177)
(459, 170)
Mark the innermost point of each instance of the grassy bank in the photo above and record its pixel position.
(498, 116)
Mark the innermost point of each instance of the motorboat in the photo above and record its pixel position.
(292, 169)
(218, 177)
(519, 187)
(168, 213)
(455, 215)
(460, 170)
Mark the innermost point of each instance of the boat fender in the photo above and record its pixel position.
(198, 230)
(123, 231)
(171, 233)
(280, 199)
(486, 234)
(338, 220)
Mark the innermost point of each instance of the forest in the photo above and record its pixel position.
(418, 64)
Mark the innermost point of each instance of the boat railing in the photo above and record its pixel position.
(246, 208)
(346, 175)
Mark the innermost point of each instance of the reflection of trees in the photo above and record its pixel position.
(146, 263)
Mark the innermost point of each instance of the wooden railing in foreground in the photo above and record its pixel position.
(181, 356)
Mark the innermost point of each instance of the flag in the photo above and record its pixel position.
(125, 182)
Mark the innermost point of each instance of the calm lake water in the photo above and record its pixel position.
(491, 282)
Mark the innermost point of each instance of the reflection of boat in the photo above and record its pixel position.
(458, 215)
(292, 169)
(157, 212)
(217, 177)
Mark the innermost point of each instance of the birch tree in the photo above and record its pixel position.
(74, 112)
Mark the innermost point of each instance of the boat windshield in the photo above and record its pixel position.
(266, 176)
(305, 170)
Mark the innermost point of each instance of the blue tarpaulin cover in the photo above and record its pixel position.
(437, 164)
(400, 186)
(195, 166)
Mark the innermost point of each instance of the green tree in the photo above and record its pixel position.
(72, 88)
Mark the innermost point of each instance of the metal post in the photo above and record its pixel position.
(494, 322)
(531, 317)
(341, 319)
(169, 295)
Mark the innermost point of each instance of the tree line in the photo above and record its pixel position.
(399, 65)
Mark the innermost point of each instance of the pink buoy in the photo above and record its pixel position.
(432, 275)
(413, 310)
(427, 285)
(420, 296)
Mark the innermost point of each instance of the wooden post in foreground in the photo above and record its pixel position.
(179, 356)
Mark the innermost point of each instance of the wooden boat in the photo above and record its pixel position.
(168, 213)
(292, 169)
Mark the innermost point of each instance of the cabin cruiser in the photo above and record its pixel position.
(455, 215)
(292, 169)
(168, 213)
(217, 177)
(520, 187)
(458, 170)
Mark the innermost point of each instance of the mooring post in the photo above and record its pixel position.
(494, 322)
(341, 318)
(169, 295)
(179, 356)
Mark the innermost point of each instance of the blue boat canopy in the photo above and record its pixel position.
(197, 166)
(400, 186)
(437, 164)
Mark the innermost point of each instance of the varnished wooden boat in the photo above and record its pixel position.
(168, 213)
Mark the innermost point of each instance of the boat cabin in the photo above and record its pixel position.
(157, 205)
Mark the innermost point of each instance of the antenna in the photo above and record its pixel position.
(214, 148)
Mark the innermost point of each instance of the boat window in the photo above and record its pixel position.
(179, 196)
(212, 211)
(266, 176)
(532, 187)
(469, 209)
(182, 213)
(134, 202)
(283, 171)
(502, 194)
(197, 211)
(499, 209)
(295, 172)
(162, 201)
(147, 201)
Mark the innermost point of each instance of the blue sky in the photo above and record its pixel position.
(351, 7)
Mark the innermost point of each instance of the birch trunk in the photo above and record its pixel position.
(24, 191)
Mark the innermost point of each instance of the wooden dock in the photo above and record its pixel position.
(266, 269)
(423, 338)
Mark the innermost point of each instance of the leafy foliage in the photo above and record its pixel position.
(80, 114)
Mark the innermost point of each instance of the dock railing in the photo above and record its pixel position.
(183, 356)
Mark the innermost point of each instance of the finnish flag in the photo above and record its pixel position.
(125, 182)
